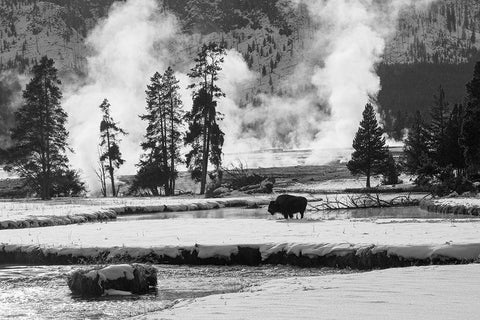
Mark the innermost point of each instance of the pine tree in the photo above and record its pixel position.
(153, 166)
(40, 137)
(109, 131)
(439, 114)
(370, 151)
(453, 132)
(204, 135)
(390, 171)
(417, 145)
(174, 118)
(162, 139)
(470, 137)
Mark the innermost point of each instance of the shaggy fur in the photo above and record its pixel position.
(287, 205)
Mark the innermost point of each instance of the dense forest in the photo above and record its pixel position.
(410, 87)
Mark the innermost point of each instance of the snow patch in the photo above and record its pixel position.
(112, 272)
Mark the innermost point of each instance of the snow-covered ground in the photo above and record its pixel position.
(437, 292)
(419, 239)
(350, 183)
(461, 201)
(453, 205)
(184, 232)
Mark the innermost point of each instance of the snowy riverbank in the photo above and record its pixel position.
(446, 292)
(457, 206)
(354, 243)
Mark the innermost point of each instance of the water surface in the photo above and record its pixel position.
(311, 214)
(41, 292)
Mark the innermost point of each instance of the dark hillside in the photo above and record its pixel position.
(410, 87)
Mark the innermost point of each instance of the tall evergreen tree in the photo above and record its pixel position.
(153, 165)
(40, 137)
(174, 117)
(455, 154)
(204, 134)
(470, 137)
(161, 147)
(417, 145)
(370, 152)
(109, 142)
(390, 171)
(439, 114)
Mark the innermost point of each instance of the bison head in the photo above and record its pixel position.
(272, 207)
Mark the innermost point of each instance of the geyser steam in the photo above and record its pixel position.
(129, 46)
(136, 40)
(353, 34)
(349, 41)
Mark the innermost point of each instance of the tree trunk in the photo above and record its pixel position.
(46, 140)
(368, 179)
(172, 147)
(205, 157)
(103, 180)
(48, 183)
(110, 168)
(207, 152)
(163, 129)
(203, 182)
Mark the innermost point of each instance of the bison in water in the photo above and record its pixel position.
(288, 205)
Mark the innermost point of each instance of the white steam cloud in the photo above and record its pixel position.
(348, 43)
(138, 39)
(353, 34)
(128, 47)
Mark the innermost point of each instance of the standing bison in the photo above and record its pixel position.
(288, 205)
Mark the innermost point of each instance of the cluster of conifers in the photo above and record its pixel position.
(39, 138)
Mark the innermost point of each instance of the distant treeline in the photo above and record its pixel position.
(411, 87)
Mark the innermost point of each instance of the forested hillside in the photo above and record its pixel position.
(431, 47)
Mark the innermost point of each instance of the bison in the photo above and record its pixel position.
(288, 205)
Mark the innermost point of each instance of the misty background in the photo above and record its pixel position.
(297, 74)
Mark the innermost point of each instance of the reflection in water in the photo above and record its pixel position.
(41, 292)
(261, 213)
(383, 213)
(224, 213)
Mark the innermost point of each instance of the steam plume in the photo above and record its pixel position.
(11, 85)
(138, 39)
(354, 34)
(348, 43)
(129, 46)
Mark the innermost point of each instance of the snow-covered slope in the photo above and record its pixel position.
(275, 30)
